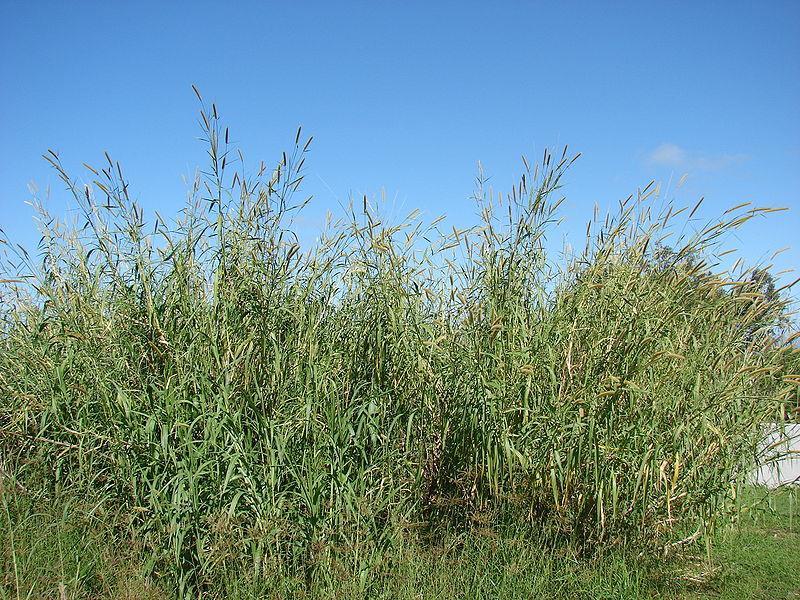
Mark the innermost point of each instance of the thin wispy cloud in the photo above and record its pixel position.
(674, 156)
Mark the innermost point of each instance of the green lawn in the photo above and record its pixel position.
(66, 550)
(760, 558)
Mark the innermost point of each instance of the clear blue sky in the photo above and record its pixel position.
(406, 97)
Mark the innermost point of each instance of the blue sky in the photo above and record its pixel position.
(405, 98)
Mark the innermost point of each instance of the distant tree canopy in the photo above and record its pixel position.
(665, 258)
(757, 291)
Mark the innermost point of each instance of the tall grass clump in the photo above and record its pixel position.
(243, 404)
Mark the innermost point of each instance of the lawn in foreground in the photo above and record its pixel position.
(66, 550)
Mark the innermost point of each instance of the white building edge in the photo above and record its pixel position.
(782, 463)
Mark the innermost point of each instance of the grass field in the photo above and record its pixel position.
(57, 550)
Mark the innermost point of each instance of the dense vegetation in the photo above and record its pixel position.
(63, 549)
(240, 404)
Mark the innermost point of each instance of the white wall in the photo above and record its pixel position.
(787, 469)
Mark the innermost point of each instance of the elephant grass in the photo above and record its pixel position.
(243, 403)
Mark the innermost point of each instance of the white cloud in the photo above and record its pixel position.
(668, 155)
(672, 155)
